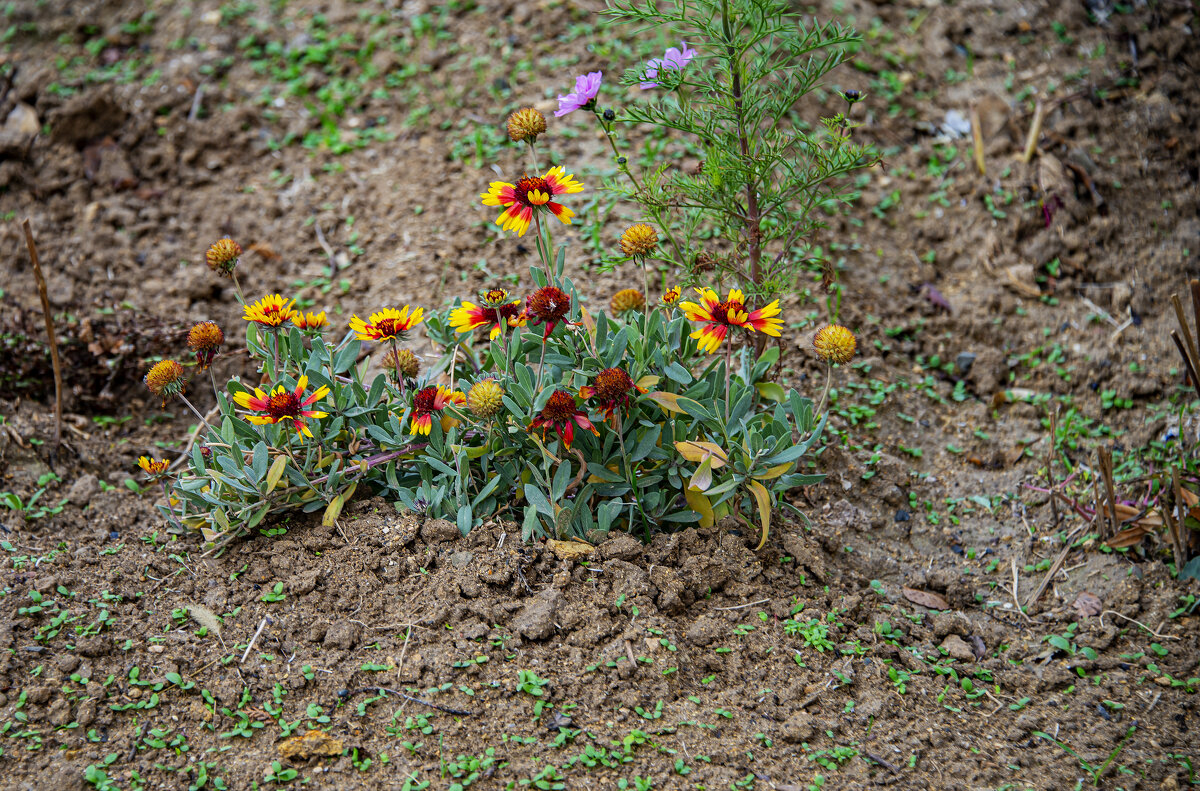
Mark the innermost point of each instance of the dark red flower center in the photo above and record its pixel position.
(612, 385)
(530, 184)
(560, 408)
(282, 404)
(549, 304)
(423, 401)
(721, 312)
(387, 327)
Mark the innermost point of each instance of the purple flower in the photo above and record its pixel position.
(586, 88)
(675, 58)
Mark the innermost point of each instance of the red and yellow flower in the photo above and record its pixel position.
(548, 305)
(388, 324)
(222, 256)
(671, 296)
(562, 414)
(612, 389)
(310, 322)
(153, 467)
(470, 315)
(429, 400)
(271, 311)
(530, 194)
(718, 317)
(283, 404)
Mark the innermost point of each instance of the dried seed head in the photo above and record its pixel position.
(205, 340)
(165, 379)
(627, 299)
(639, 240)
(835, 344)
(525, 125)
(485, 398)
(223, 256)
(402, 360)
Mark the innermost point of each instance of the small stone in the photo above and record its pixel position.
(23, 120)
(621, 546)
(461, 559)
(437, 531)
(157, 649)
(535, 621)
(957, 648)
(570, 550)
(343, 634)
(83, 490)
(902, 515)
(964, 361)
(313, 743)
(86, 714)
(800, 727)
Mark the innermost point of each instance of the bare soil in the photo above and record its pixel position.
(132, 658)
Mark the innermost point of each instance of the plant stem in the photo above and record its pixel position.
(238, 286)
(825, 391)
(213, 379)
(612, 143)
(728, 372)
(195, 411)
(753, 218)
(541, 364)
(543, 247)
(396, 360)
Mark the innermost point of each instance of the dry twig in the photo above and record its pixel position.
(58, 382)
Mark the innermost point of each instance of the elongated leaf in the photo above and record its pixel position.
(774, 472)
(702, 477)
(464, 519)
(647, 443)
(763, 499)
(258, 461)
(700, 504)
(538, 500)
(698, 451)
(668, 401)
(562, 477)
(770, 391)
(276, 472)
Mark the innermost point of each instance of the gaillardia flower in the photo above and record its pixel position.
(612, 389)
(525, 125)
(205, 340)
(470, 315)
(402, 361)
(531, 193)
(639, 240)
(388, 324)
(153, 467)
(271, 311)
(310, 322)
(586, 88)
(676, 59)
(719, 316)
(670, 296)
(548, 305)
(429, 400)
(835, 344)
(562, 414)
(222, 257)
(165, 379)
(627, 299)
(485, 398)
(283, 405)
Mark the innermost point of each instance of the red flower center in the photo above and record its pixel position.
(560, 408)
(387, 327)
(612, 385)
(530, 184)
(549, 304)
(721, 312)
(423, 401)
(283, 404)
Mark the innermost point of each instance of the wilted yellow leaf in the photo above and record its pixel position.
(668, 401)
(763, 498)
(774, 472)
(700, 504)
(276, 471)
(696, 451)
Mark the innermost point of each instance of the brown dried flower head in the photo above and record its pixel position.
(627, 299)
(205, 340)
(525, 125)
(639, 240)
(165, 379)
(223, 256)
(402, 360)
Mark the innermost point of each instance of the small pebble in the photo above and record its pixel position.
(902, 515)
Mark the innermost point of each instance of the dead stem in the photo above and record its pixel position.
(49, 317)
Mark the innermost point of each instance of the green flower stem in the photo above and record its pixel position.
(624, 168)
(728, 371)
(396, 360)
(824, 391)
(195, 411)
(238, 287)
